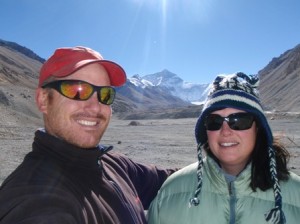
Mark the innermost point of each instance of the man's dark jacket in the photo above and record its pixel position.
(60, 183)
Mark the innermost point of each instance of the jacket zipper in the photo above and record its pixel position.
(232, 202)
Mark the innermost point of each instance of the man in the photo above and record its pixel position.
(68, 177)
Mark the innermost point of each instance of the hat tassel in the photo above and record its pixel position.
(275, 216)
(195, 200)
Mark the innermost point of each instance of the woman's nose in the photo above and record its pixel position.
(225, 129)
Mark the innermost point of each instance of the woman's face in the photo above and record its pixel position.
(232, 148)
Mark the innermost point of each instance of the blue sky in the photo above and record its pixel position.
(195, 39)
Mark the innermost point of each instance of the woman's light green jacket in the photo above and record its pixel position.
(221, 202)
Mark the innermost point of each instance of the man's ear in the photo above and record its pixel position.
(41, 99)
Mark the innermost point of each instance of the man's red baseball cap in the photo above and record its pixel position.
(65, 61)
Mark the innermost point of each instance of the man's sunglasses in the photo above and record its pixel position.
(81, 90)
(237, 121)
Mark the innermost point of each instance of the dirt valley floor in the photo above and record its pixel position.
(167, 142)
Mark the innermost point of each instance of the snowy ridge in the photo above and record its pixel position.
(187, 91)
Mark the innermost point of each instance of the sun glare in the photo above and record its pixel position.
(192, 10)
(160, 19)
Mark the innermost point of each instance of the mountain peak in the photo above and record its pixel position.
(172, 84)
(164, 78)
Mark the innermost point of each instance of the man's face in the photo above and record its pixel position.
(81, 123)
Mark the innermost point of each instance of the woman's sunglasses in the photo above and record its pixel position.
(81, 90)
(238, 121)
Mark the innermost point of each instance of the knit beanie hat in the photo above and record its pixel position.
(238, 91)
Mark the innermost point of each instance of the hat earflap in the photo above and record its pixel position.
(275, 215)
(195, 200)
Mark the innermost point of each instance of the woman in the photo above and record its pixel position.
(244, 177)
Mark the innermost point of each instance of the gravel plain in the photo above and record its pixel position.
(163, 142)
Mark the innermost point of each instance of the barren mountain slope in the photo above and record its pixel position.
(280, 82)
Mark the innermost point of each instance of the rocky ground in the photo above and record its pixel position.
(164, 142)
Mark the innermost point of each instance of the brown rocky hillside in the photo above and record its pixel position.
(19, 67)
(280, 82)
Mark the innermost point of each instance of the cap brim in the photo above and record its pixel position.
(115, 72)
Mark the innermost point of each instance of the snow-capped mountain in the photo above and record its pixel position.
(190, 92)
(148, 97)
(140, 82)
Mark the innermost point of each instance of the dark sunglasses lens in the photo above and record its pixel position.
(76, 90)
(241, 121)
(213, 122)
(107, 95)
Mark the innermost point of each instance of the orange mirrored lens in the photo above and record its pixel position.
(79, 90)
(107, 95)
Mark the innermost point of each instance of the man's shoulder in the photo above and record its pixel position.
(114, 156)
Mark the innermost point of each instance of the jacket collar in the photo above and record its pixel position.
(68, 154)
(218, 178)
